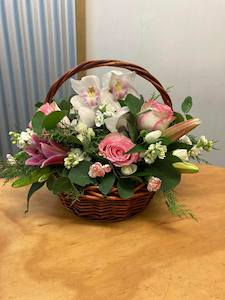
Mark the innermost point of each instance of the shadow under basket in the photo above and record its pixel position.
(93, 205)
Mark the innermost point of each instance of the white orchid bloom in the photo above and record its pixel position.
(118, 120)
(119, 84)
(90, 97)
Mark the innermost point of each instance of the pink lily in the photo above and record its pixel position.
(44, 152)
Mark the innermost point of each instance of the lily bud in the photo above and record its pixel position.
(181, 153)
(151, 137)
(184, 167)
(128, 170)
(178, 130)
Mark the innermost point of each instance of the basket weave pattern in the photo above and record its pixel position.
(93, 204)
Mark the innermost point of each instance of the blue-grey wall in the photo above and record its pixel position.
(37, 45)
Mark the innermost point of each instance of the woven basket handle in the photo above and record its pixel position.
(108, 63)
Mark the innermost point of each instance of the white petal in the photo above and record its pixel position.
(86, 114)
(107, 98)
(113, 123)
(77, 102)
(82, 85)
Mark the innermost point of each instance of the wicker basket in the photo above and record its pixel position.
(93, 204)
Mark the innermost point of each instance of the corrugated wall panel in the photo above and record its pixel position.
(37, 45)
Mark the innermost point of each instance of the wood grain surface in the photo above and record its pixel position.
(51, 254)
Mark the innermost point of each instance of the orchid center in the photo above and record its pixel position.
(119, 89)
(91, 96)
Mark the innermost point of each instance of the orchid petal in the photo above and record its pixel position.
(107, 98)
(118, 120)
(86, 114)
(82, 85)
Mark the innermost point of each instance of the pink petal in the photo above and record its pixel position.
(35, 160)
(54, 160)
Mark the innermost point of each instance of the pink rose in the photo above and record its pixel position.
(154, 184)
(98, 170)
(114, 147)
(158, 117)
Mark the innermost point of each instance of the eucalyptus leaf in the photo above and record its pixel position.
(107, 183)
(187, 104)
(188, 117)
(61, 184)
(134, 104)
(179, 118)
(51, 120)
(79, 174)
(37, 122)
(125, 188)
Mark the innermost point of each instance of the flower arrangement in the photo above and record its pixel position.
(108, 136)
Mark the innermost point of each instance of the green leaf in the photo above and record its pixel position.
(33, 177)
(132, 128)
(79, 174)
(39, 104)
(134, 104)
(186, 105)
(73, 140)
(178, 145)
(188, 117)
(61, 184)
(179, 118)
(50, 182)
(138, 148)
(165, 140)
(65, 105)
(51, 120)
(125, 188)
(37, 122)
(34, 187)
(164, 170)
(107, 183)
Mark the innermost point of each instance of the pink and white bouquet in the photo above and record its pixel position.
(107, 135)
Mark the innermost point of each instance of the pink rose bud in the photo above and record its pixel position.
(98, 170)
(154, 184)
(107, 168)
(154, 116)
(114, 147)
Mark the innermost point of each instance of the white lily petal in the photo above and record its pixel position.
(86, 82)
(113, 123)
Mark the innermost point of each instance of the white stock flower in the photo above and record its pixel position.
(154, 151)
(195, 151)
(204, 143)
(10, 160)
(75, 156)
(84, 133)
(181, 153)
(185, 139)
(151, 137)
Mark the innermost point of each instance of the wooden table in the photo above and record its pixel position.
(51, 254)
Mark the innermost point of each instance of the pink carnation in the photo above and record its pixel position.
(98, 170)
(155, 116)
(154, 184)
(114, 147)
